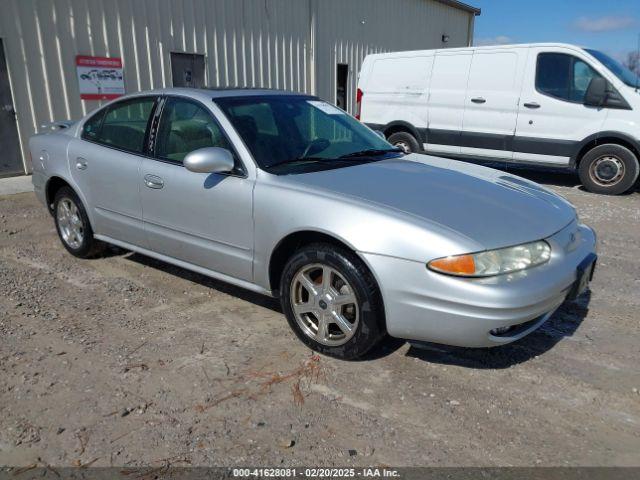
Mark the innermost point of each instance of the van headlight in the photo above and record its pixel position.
(494, 262)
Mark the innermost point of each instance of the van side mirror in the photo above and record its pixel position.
(596, 94)
(209, 160)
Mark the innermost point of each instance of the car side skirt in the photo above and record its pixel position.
(188, 266)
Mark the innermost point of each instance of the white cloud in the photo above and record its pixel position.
(604, 24)
(499, 40)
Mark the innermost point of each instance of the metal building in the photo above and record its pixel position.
(313, 46)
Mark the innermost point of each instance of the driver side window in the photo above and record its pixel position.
(563, 76)
(185, 126)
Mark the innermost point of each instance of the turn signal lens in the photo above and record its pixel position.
(494, 262)
(458, 265)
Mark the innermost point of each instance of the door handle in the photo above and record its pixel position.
(478, 100)
(532, 105)
(153, 181)
(81, 163)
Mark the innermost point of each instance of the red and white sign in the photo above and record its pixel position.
(100, 78)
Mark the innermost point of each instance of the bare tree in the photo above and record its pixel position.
(632, 62)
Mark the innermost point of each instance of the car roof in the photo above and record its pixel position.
(212, 93)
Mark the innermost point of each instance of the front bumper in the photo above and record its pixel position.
(424, 305)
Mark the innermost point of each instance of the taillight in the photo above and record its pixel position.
(358, 103)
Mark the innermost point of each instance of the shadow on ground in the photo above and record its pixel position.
(564, 322)
(241, 293)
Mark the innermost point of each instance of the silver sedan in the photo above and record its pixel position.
(288, 196)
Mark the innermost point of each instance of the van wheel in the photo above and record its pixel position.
(405, 141)
(332, 301)
(72, 224)
(610, 169)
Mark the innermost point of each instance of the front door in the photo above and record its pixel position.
(202, 219)
(10, 159)
(552, 119)
(491, 104)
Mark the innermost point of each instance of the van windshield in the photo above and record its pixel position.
(615, 67)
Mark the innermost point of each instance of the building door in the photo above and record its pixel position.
(187, 70)
(342, 77)
(10, 157)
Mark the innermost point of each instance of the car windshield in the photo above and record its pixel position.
(615, 67)
(295, 134)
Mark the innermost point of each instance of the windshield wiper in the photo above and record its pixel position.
(372, 152)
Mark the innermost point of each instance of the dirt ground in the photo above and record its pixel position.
(127, 361)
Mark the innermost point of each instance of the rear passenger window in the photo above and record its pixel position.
(125, 125)
(564, 77)
(185, 126)
(92, 126)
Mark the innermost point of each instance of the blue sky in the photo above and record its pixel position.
(609, 25)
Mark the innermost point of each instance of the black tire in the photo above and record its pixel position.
(603, 161)
(86, 248)
(406, 141)
(370, 328)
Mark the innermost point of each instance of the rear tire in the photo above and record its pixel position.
(610, 169)
(405, 141)
(332, 302)
(72, 224)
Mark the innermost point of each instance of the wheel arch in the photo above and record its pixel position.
(294, 241)
(52, 186)
(403, 126)
(601, 138)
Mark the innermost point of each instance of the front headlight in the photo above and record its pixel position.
(494, 262)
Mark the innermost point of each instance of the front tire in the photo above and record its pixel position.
(332, 301)
(72, 224)
(405, 141)
(609, 169)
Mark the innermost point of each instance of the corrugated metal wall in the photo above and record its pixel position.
(350, 30)
(254, 43)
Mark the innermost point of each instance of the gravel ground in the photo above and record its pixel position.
(124, 360)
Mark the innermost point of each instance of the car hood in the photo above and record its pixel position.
(488, 206)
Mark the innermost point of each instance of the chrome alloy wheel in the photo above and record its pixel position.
(324, 304)
(607, 170)
(70, 223)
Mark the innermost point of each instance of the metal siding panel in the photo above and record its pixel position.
(262, 43)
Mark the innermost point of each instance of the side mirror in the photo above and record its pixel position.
(596, 94)
(380, 134)
(209, 160)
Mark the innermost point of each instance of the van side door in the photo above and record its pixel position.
(447, 90)
(552, 118)
(491, 103)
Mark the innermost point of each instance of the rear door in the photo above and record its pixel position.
(105, 163)
(204, 219)
(552, 118)
(491, 103)
(446, 101)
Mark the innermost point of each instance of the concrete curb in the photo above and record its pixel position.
(13, 185)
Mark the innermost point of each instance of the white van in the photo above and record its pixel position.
(545, 104)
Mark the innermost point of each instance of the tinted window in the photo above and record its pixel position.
(563, 76)
(185, 126)
(92, 126)
(287, 134)
(125, 124)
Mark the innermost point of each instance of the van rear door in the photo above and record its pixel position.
(447, 91)
(491, 103)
